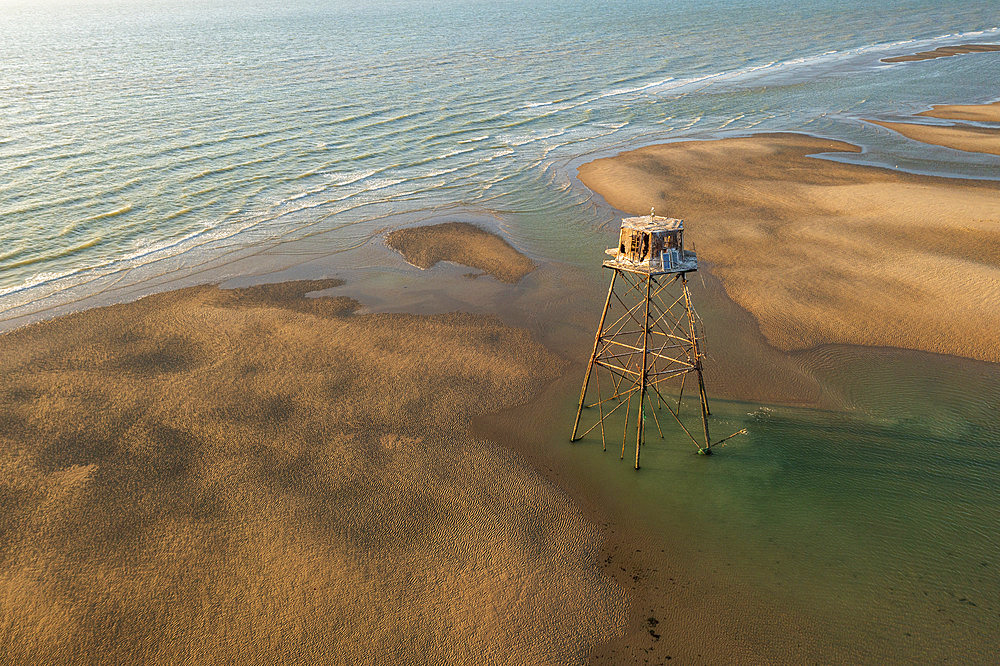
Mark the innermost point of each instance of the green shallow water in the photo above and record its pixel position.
(877, 521)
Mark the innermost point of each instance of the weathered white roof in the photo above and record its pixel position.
(652, 223)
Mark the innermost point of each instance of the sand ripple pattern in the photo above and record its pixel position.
(223, 494)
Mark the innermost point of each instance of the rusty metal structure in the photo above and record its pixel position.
(649, 338)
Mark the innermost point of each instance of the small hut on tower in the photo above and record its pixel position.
(654, 244)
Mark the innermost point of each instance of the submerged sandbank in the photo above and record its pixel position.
(826, 252)
(255, 475)
(461, 243)
(945, 52)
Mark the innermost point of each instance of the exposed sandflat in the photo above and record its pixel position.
(945, 52)
(824, 252)
(989, 113)
(462, 243)
(968, 138)
(252, 476)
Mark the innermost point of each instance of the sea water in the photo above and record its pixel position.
(143, 140)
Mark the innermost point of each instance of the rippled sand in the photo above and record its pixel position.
(461, 243)
(825, 252)
(254, 476)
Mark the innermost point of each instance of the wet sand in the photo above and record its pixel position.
(945, 52)
(461, 243)
(255, 475)
(823, 252)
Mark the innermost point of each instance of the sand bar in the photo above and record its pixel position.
(826, 252)
(257, 476)
(461, 243)
(945, 52)
(967, 138)
(989, 113)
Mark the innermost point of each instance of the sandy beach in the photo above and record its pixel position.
(204, 476)
(827, 252)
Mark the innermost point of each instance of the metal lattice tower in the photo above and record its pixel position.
(649, 338)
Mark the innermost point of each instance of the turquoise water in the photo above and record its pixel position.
(145, 139)
(139, 139)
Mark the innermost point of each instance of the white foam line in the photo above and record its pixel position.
(308, 193)
(124, 263)
(440, 172)
(920, 43)
(356, 176)
(628, 91)
(732, 120)
(109, 214)
(670, 83)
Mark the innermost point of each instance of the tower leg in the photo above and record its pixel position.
(703, 397)
(680, 394)
(600, 412)
(593, 355)
(701, 388)
(628, 409)
(642, 376)
(704, 413)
